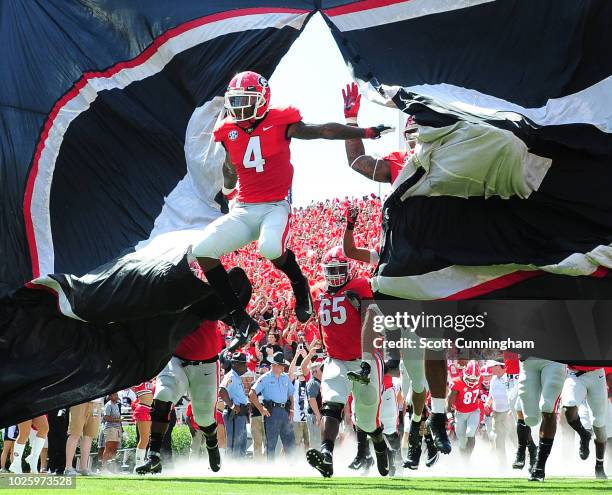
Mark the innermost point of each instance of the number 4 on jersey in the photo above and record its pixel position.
(252, 155)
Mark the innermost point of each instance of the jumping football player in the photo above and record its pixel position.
(256, 139)
(338, 305)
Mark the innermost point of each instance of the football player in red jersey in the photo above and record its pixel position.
(464, 398)
(338, 304)
(386, 170)
(256, 139)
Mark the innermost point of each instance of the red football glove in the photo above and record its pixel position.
(351, 217)
(376, 132)
(352, 99)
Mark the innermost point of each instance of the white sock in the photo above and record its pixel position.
(17, 454)
(416, 418)
(140, 455)
(37, 447)
(438, 405)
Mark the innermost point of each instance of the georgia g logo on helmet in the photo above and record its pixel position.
(247, 96)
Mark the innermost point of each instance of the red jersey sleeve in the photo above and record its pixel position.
(456, 386)
(396, 160)
(219, 131)
(283, 116)
(362, 287)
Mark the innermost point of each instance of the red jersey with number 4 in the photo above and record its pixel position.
(203, 344)
(468, 398)
(340, 321)
(262, 157)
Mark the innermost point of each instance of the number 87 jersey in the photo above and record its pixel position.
(260, 154)
(340, 320)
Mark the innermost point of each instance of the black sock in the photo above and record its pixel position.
(210, 434)
(156, 442)
(544, 451)
(414, 435)
(522, 432)
(327, 446)
(578, 427)
(291, 268)
(219, 280)
(363, 444)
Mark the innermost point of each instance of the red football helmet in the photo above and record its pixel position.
(336, 267)
(471, 374)
(247, 96)
(410, 132)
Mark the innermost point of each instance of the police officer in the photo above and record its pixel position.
(236, 410)
(277, 408)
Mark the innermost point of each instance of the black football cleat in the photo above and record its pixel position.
(537, 474)
(214, 457)
(303, 300)
(414, 457)
(600, 474)
(437, 425)
(362, 462)
(153, 466)
(519, 461)
(244, 327)
(382, 459)
(362, 376)
(321, 461)
(432, 452)
(583, 449)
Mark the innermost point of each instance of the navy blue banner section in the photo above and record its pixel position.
(523, 52)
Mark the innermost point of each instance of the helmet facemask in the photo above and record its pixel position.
(336, 273)
(242, 104)
(471, 380)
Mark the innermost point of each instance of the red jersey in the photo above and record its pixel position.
(468, 398)
(397, 160)
(340, 321)
(204, 343)
(262, 158)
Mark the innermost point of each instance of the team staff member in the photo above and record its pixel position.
(236, 409)
(277, 409)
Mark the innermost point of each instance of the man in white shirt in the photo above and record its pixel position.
(500, 404)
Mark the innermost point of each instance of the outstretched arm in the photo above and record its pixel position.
(333, 130)
(368, 166)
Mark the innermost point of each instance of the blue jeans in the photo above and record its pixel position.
(278, 424)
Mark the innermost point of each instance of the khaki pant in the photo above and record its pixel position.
(84, 419)
(502, 422)
(257, 432)
(300, 430)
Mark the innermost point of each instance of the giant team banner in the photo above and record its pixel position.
(109, 170)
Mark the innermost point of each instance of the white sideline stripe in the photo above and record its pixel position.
(41, 219)
(398, 12)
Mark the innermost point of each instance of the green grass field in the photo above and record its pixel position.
(336, 486)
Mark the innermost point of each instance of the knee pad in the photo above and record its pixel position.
(332, 410)
(160, 411)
